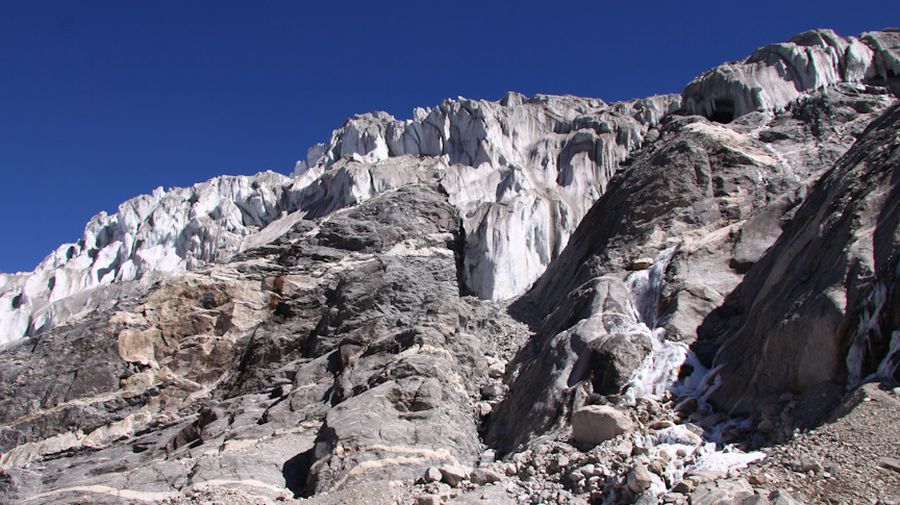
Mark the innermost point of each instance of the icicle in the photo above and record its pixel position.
(867, 331)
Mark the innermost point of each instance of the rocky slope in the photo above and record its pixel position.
(544, 300)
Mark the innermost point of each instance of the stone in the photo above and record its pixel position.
(454, 474)
(721, 491)
(482, 476)
(487, 457)
(657, 466)
(684, 486)
(757, 479)
(561, 462)
(493, 391)
(679, 434)
(598, 423)
(428, 499)
(641, 263)
(806, 464)
(638, 479)
(433, 474)
(497, 370)
(661, 425)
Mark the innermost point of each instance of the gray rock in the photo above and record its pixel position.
(721, 491)
(598, 423)
(454, 474)
(808, 293)
(433, 474)
(638, 479)
(482, 476)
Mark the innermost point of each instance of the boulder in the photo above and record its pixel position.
(638, 479)
(454, 474)
(594, 424)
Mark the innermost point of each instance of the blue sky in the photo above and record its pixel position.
(102, 101)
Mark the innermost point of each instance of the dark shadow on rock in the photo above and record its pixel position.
(296, 472)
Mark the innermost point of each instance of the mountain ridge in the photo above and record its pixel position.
(455, 307)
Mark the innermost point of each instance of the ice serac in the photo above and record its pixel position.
(777, 74)
(820, 309)
(522, 172)
(161, 233)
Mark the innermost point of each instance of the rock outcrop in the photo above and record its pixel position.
(340, 351)
(820, 308)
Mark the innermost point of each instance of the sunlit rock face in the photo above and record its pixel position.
(777, 74)
(664, 247)
(828, 284)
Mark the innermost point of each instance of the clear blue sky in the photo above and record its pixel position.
(102, 101)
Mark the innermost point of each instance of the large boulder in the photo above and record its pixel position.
(594, 424)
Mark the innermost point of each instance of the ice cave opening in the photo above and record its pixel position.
(723, 110)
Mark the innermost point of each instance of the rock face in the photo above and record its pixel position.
(827, 285)
(337, 352)
(337, 335)
(705, 201)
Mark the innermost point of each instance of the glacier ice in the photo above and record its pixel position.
(777, 74)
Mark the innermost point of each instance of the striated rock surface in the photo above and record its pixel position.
(705, 200)
(339, 352)
(824, 297)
